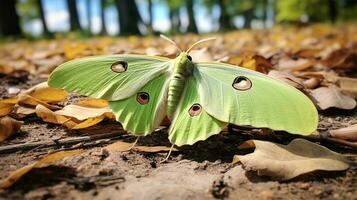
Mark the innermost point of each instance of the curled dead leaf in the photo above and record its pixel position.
(16, 175)
(74, 116)
(342, 59)
(8, 126)
(287, 78)
(347, 133)
(43, 93)
(251, 60)
(328, 97)
(7, 105)
(48, 115)
(288, 64)
(82, 112)
(284, 162)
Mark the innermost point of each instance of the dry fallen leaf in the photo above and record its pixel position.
(73, 116)
(95, 103)
(284, 162)
(344, 83)
(42, 93)
(16, 175)
(124, 146)
(82, 112)
(287, 78)
(288, 64)
(48, 115)
(328, 97)
(347, 133)
(8, 126)
(342, 58)
(7, 105)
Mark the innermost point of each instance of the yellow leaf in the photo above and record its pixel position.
(95, 103)
(250, 64)
(16, 175)
(8, 126)
(7, 105)
(45, 93)
(5, 108)
(9, 100)
(48, 115)
(29, 100)
(89, 122)
(82, 113)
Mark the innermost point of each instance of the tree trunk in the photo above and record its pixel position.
(129, 17)
(192, 27)
(9, 20)
(42, 17)
(265, 13)
(175, 20)
(103, 30)
(333, 12)
(248, 16)
(225, 21)
(73, 15)
(89, 16)
(151, 15)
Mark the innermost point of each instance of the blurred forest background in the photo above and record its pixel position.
(56, 18)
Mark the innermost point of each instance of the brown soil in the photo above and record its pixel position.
(201, 171)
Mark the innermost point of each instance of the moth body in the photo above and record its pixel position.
(181, 70)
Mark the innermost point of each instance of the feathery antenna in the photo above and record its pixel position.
(199, 42)
(171, 41)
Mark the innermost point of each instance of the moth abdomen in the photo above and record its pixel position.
(176, 87)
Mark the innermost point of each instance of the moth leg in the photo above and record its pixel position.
(168, 155)
(134, 144)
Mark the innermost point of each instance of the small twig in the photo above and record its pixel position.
(60, 142)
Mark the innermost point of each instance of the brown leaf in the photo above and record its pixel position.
(328, 97)
(342, 58)
(347, 133)
(284, 162)
(288, 64)
(124, 146)
(287, 78)
(251, 61)
(8, 126)
(16, 175)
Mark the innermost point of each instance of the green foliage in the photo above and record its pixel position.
(294, 10)
(28, 10)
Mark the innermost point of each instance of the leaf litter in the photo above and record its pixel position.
(301, 61)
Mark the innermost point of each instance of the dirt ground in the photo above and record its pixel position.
(201, 171)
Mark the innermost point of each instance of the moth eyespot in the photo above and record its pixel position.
(142, 98)
(195, 110)
(242, 83)
(189, 57)
(119, 66)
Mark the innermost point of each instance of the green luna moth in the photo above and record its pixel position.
(200, 98)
